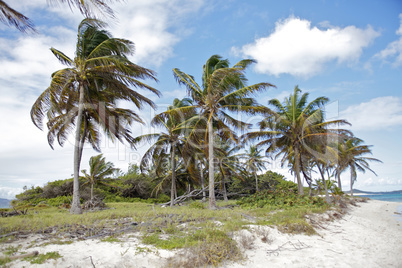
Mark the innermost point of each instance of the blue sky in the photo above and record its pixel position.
(349, 51)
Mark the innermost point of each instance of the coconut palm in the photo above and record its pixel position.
(100, 63)
(290, 129)
(174, 128)
(254, 162)
(351, 155)
(99, 170)
(223, 91)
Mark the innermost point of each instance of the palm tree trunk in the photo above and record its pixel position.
(212, 201)
(351, 181)
(256, 181)
(173, 189)
(297, 171)
(324, 183)
(224, 192)
(338, 175)
(92, 192)
(204, 194)
(82, 140)
(76, 205)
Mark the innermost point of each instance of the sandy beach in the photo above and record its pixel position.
(369, 235)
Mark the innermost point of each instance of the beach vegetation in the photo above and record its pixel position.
(42, 258)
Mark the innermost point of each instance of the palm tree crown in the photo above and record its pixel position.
(351, 155)
(224, 90)
(291, 128)
(99, 169)
(88, 89)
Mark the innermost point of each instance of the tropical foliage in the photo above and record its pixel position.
(296, 130)
(84, 95)
(223, 91)
(89, 8)
(99, 170)
(352, 153)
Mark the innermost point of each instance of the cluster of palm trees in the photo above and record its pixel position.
(200, 135)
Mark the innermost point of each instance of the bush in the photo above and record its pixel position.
(284, 196)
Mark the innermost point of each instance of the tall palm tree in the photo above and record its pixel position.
(99, 170)
(100, 63)
(254, 162)
(223, 90)
(174, 128)
(290, 128)
(89, 8)
(351, 155)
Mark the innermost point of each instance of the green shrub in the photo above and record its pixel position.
(284, 196)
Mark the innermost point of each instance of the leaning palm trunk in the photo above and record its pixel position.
(297, 171)
(173, 194)
(76, 205)
(212, 202)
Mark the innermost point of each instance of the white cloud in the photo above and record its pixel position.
(154, 26)
(394, 49)
(9, 192)
(378, 113)
(297, 48)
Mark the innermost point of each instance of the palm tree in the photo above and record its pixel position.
(99, 169)
(100, 71)
(290, 128)
(223, 90)
(175, 126)
(351, 155)
(89, 8)
(254, 162)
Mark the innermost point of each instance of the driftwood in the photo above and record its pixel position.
(185, 196)
(14, 213)
(196, 193)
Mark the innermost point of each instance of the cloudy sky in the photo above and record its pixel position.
(349, 51)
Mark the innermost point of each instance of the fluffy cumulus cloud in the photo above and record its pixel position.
(296, 47)
(393, 51)
(378, 113)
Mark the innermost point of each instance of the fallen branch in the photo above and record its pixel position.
(186, 195)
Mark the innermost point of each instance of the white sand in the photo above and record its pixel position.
(370, 235)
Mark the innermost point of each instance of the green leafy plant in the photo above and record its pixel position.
(42, 258)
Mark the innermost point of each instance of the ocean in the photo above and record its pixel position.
(384, 197)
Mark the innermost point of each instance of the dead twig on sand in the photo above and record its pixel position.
(289, 246)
